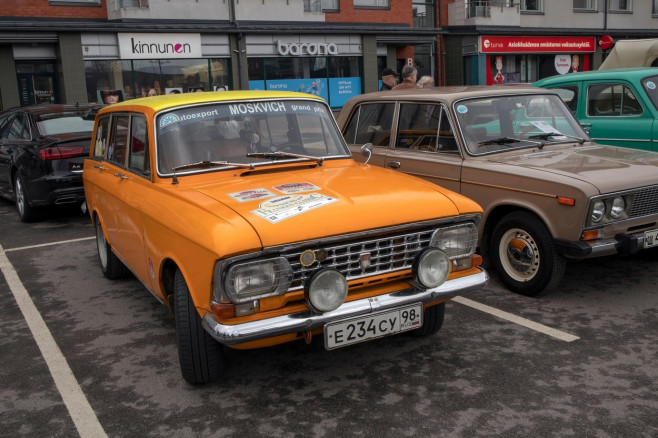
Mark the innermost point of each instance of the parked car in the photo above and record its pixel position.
(245, 213)
(548, 192)
(617, 107)
(42, 149)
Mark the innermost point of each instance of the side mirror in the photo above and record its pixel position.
(366, 151)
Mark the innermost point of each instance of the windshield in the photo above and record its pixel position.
(246, 134)
(650, 87)
(501, 123)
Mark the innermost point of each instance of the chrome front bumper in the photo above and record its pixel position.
(307, 320)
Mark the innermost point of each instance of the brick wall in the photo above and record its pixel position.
(43, 8)
(400, 12)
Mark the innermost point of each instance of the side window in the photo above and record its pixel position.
(102, 133)
(425, 127)
(19, 129)
(569, 95)
(371, 123)
(139, 148)
(612, 100)
(118, 147)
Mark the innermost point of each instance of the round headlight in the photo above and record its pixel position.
(598, 211)
(326, 290)
(618, 206)
(432, 267)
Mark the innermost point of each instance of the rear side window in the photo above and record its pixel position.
(117, 150)
(19, 129)
(102, 134)
(139, 158)
(612, 100)
(371, 123)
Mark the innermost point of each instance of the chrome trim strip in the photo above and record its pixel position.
(302, 321)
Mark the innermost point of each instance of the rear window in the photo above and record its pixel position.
(60, 123)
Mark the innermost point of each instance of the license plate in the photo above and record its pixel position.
(359, 329)
(650, 238)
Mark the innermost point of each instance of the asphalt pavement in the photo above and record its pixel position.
(81, 355)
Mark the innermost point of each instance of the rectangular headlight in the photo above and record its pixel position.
(257, 279)
(456, 241)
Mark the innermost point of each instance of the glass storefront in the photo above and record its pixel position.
(335, 79)
(137, 78)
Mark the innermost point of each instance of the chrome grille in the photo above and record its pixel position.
(646, 202)
(386, 254)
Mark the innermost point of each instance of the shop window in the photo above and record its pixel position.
(379, 4)
(620, 5)
(532, 5)
(612, 100)
(75, 2)
(139, 157)
(588, 5)
(371, 123)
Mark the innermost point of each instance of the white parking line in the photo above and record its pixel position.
(566, 337)
(49, 244)
(80, 410)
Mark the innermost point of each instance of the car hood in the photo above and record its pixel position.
(292, 204)
(605, 167)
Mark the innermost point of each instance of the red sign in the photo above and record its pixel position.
(536, 44)
(605, 42)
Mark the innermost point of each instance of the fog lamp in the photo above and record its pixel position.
(431, 267)
(326, 290)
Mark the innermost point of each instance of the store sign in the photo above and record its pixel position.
(159, 45)
(536, 44)
(303, 49)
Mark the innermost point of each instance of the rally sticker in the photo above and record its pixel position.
(284, 207)
(251, 195)
(462, 109)
(651, 85)
(296, 188)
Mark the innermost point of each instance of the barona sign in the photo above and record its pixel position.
(300, 49)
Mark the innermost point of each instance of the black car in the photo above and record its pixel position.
(42, 149)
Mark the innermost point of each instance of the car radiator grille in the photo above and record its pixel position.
(385, 254)
(646, 202)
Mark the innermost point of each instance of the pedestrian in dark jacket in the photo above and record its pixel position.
(389, 79)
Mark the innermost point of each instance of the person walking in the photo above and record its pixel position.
(409, 74)
(389, 79)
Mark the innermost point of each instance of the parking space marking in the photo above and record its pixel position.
(80, 410)
(49, 244)
(566, 337)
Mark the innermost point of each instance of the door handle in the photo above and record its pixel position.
(121, 175)
(393, 164)
(99, 167)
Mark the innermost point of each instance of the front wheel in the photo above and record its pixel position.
(201, 357)
(432, 321)
(523, 255)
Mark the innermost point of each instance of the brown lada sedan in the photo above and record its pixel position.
(549, 193)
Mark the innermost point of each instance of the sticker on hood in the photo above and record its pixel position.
(251, 195)
(296, 188)
(283, 207)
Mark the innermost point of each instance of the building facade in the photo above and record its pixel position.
(67, 51)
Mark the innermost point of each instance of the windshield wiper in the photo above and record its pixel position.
(546, 135)
(211, 164)
(508, 140)
(280, 154)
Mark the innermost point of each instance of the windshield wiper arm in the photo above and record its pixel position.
(280, 154)
(508, 140)
(546, 135)
(207, 163)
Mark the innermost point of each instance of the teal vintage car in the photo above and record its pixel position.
(618, 107)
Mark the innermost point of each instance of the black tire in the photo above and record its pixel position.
(432, 321)
(25, 212)
(112, 267)
(523, 255)
(201, 357)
